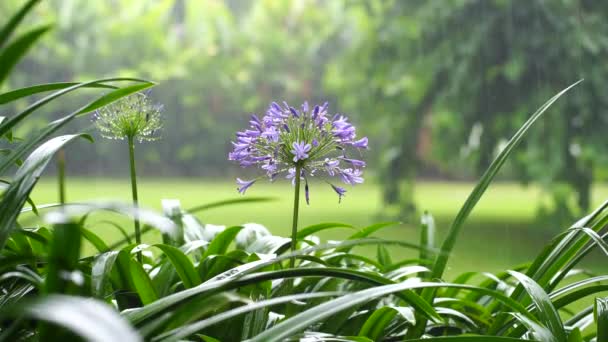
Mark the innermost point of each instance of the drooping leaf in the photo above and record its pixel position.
(547, 313)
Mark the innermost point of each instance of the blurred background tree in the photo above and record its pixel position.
(464, 75)
(437, 85)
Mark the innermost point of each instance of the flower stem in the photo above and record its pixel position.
(61, 175)
(134, 193)
(296, 206)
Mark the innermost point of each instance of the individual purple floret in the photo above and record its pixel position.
(309, 139)
(299, 150)
(340, 191)
(244, 185)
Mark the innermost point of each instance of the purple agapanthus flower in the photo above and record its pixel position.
(309, 138)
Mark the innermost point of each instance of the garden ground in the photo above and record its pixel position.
(501, 233)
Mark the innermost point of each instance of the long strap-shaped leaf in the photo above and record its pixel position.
(27, 175)
(556, 258)
(546, 311)
(208, 288)
(320, 312)
(17, 94)
(601, 318)
(53, 127)
(12, 53)
(89, 318)
(179, 334)
(450, 240)
(10, 27)
(14, 120)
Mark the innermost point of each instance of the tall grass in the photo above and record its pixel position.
(205, 283)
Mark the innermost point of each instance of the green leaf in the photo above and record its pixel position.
(600, 312)
(220, 243)
(223, 203)
(576, 336)
(12, 53)
(90, 319)
(384, 257)
(227, 283)
(7, 125)
(304, 232)
(547, 313)
(301, 321)
(113, 96)
(369, 230)
(483, 184)
(63, 275)
(450, 240)
(142, 283)
(95, 240)
(377, 322)
(12, 24)
(182, 265)
(26, 177)
(16, 94)
(539, 331)
(101, 271)
(187, 330)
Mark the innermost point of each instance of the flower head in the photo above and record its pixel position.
(308, 138)
(132, 117)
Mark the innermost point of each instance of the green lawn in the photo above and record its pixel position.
(501, 231)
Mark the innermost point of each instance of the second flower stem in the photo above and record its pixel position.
(296, 206)
(61, 175)
(134, 193)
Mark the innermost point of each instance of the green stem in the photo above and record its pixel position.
(61, 175)
(296, 207)
(134, 193)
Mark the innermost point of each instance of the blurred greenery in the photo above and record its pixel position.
(438, 86)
